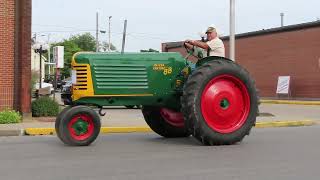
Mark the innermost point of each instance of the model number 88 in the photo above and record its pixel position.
(167, 71)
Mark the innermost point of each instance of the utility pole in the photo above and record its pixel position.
(97, 32)
(109, 47)
(124, 36)
(49, 55)
(282, 19)
(40, 77)
(232, 31)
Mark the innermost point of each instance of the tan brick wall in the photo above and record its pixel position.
(7, 24)
(293, 53)
(15, 55)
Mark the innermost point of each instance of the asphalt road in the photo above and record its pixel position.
(273, 153)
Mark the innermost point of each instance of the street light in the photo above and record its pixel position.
(40, 48)
(101, 47)
(109, 33)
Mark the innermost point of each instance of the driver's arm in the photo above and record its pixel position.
(200, 44)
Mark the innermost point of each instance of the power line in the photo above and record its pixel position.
(151, 34)
(59, 26)
(77, 29)
(135, 35)
(57, 31)
(144, 36)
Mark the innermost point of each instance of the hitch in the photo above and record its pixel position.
(100, 111)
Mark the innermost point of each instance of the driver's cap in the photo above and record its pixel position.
(211, 29)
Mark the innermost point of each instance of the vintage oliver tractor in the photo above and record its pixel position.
(216, 102)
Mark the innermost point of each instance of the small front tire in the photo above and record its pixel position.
(58, 119)
(79, 126)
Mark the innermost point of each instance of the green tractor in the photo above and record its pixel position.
(216, 101)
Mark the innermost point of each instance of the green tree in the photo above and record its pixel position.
(148, 50)
(85, 41)
(80, 42)
(105, 47)
(70, 48)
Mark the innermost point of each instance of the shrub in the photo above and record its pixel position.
(10, 116)
(44, 106)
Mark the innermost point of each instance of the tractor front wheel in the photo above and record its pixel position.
(79, 126)
(220, 103)
(58, 119)
(165, 122)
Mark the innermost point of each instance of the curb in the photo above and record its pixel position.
(103, 130)
(290, 102)
(285, 123)
(39, 131)
(16, 132)
(107, 130)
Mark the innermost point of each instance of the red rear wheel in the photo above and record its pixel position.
(165, 122)
(225, 103)
(172, 117)
(219, 102)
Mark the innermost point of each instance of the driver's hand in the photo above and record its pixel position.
(188, 45)
(188, 41)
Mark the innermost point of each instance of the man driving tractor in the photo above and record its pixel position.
(213, 46)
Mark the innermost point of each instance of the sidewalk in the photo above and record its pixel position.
(131, 120)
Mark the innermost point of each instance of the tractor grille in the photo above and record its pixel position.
(82, 77)
(121, 76)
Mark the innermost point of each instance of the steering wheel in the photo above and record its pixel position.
(189, 51)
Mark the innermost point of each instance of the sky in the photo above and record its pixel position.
(152, 22)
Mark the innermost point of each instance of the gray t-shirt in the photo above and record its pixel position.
(216, 47)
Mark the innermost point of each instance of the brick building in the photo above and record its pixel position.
(15, 54)
(286, 51)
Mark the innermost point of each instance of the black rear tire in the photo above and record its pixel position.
(160, 126)
(69, 138)
(191, 102)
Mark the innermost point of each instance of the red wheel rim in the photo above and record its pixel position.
(225, 104)
(81, 127)
(172, 117)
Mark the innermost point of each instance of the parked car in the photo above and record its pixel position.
(66, 84)
(66, 92)
(46, 89)
(51, 79)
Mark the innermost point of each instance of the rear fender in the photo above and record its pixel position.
(203, 61)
